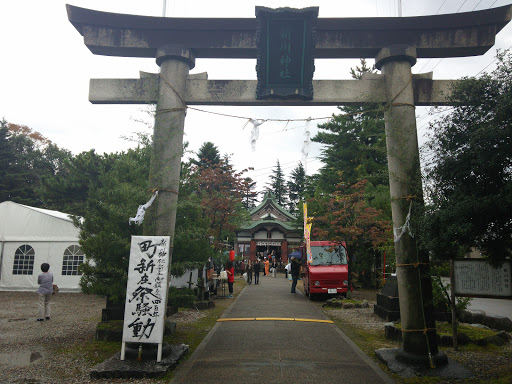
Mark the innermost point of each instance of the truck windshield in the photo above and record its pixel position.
(335, 255)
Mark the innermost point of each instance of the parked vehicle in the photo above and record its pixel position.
(327, 273)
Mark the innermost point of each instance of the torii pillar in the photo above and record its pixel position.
(164, 176)
(419, 343)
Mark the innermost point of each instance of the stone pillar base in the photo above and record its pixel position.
(451, 369)
(438, 359)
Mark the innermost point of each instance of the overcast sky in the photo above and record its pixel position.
(45, 72)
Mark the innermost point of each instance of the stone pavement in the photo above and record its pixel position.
(277, 351)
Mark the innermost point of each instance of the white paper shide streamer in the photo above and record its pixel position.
(141, 211)
(255, 132)
(306, 144)
(398, 232)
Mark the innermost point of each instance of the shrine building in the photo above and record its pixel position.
(271, 228)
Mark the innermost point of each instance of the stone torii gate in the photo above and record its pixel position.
(395, 43)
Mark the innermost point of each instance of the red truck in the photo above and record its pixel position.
(328, 271)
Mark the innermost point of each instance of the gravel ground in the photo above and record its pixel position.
(28, 347)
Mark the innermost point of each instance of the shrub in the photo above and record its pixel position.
(181, 297)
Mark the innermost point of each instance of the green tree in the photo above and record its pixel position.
(277, 185)
(468, 175)
(208, 154)
(296, 188)
(105, 233)
(67, 189)
(250, 195)
(113, 196)
(11, 175)
(354, 144)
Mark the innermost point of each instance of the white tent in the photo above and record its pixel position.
(31, 236)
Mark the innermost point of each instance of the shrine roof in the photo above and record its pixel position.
(448, 35)
(253, 224)
(269, 200)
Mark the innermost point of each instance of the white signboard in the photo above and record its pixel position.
(146, 294)
(271, 243)
(478, 278)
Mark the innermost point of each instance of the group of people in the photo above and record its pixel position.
(261, 264)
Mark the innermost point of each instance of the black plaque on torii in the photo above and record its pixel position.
(285, 40)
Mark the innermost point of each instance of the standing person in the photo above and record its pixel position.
(274, 267)
(249, 272)
(45, 291)
(295, 272)
(257, 266)
(288, 269)
(231, 277)
(267, 266)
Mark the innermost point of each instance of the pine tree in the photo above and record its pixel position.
(354, 144)
(296, 188)
(68, 189)
(207, 154)
(277, 185)
(250, 195)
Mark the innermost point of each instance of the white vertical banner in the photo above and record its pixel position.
(146, 293)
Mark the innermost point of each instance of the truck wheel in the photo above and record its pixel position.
(312, 296)
(306, 291)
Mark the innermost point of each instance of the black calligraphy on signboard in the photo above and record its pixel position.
(146, 293)
(285, 40)
(475, 277)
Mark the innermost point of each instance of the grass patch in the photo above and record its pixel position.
(79, 354)
(95, 351)
(474, 333)
(368, 341)
(109, 325)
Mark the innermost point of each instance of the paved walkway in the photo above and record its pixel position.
(277, 351)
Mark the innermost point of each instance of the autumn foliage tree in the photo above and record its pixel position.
(221, 190)
(346, 216)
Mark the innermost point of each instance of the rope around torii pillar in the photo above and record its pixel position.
(414, 284)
